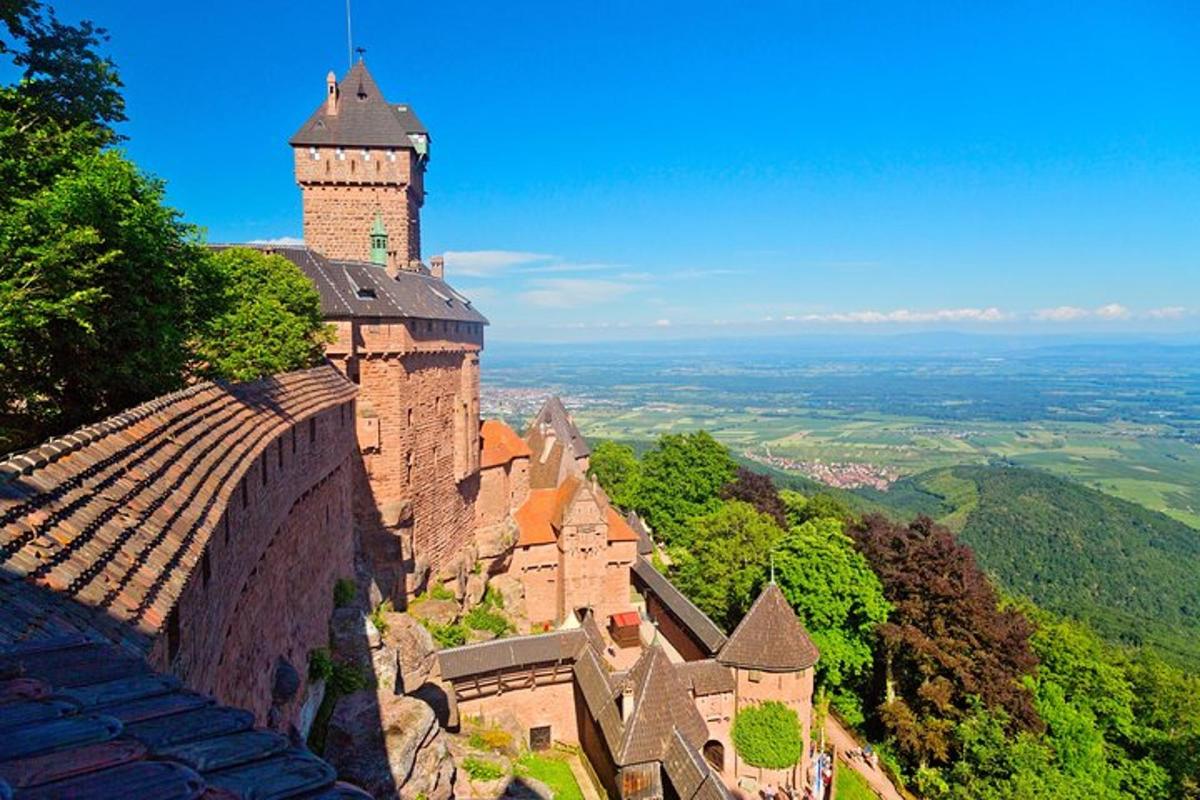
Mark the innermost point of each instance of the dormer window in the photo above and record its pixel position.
(366, 293)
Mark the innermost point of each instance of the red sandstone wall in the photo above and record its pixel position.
(341, 196)
(793, 689)
(552, 705)
(619, 558)
(582, 546)
(676, 634)
(419, 435)
(264, 586)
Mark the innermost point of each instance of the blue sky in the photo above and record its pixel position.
(662, 169)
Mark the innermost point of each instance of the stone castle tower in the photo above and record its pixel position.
(404, 335)
(360, 162)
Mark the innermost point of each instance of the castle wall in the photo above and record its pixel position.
(718, 710)
(263, 588)
(680, 638)
(537, 566)
(582, 546)
(618, 559)
(543, 705)
(418, 433)
(343, 189)
(503, 488)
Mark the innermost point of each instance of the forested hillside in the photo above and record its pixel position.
(1133, 574)
(966, 694)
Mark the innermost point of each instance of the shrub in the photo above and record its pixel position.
(379, 616)
(346, 678)
(449, 635)
(482, 618)
(768, 735)
(493, 598)
(439, 592)
(344, 592)
(320, 665)
(481, 770)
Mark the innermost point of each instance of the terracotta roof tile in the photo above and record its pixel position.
(501, 444)
(116, 523)
(533, 518)
(618, 528)
(770, 637)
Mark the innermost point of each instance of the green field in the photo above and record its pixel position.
(1140, 463)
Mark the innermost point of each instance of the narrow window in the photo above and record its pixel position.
(205, 572)
(264, 471)
(293, 441)
(245, 494)
(280, 454)
(312, 430)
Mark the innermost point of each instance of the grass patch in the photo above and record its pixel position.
(554, 771)
(481, 618)
(496, 739)
(379, 616)
(852, 786)
(344, 592)
(450, 635)
(482, 770)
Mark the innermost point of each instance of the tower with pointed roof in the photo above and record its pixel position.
(360, 162)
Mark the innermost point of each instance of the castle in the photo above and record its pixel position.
(184, 553)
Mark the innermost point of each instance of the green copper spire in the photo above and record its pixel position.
(379, 241)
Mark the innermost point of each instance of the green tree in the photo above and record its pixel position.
(726, 561)
(837, 596)
(617, 469)
(96, 278)
(264, 317)
(768, 735)
(681, 477)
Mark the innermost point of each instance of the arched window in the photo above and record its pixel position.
(714, 753)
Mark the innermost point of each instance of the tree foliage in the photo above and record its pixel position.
(106, 296)
(768, 735)
(724, 560)
(946, 641)
(837, 596)
(681, 477)
(617, 469)
(263, 317)
(759, 491)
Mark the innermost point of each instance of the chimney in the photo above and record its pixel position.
(437, 267)
(626, 702)
(331, 94)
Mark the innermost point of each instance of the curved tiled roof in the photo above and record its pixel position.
(501, 444)
(113, 518)
(84, 719)
(770, 637)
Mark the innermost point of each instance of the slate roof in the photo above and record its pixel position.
(692, 618)
(690, 775)
(706, 677)
(645, 543)
(501, 444)
(364, 117)
(517, 651)
(354, 289)
(84, 719)
(661, 706)
(770, 637)
(554, 415)
(112, 518)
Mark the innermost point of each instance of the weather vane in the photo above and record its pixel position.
(362, 51)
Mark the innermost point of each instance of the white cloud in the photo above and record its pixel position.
(1061, 314)
(280, 241)
(480, 263)
(662, 323)
(569, 267)
(1167, 312)
(701, 273)
(1112, 311)
(573, 292)
(907, 316)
